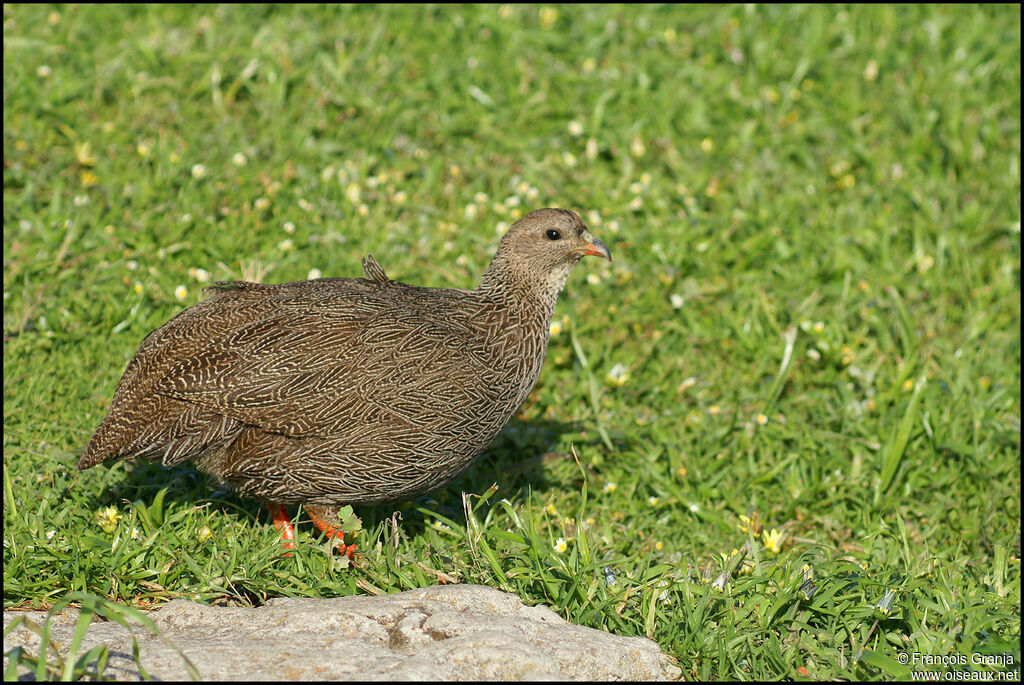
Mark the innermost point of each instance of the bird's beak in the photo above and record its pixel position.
(595, 247)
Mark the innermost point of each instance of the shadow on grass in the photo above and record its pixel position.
(519, 461)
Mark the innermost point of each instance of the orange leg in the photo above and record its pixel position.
(321, 517)
(284, 524)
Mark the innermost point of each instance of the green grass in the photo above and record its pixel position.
(811, 320)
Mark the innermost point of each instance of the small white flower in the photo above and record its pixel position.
(561, 545)
(555, 328)
(653, 501)
(305, 205)
(512, 201)
(471, 211)
(575, 129)
(288, 227)
(180, 293)
(814, 354)
(261, 204)
(591, 148)
(286, 245)
(501, 228)
(480, 198)
(81, 200)
(238, 159)
(569, 159)
(593, 279)
(532, 194)
(198, 171)
(401, 197)
(677, 301)
(314, 274)
(618, 375)
(636, 203)
(44, 71)
(694, 508)
(50, 534)
(609, 487)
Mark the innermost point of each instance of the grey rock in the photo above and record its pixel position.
(452, 632)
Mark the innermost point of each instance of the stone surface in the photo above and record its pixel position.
(453, 632)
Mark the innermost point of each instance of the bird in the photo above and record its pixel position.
(337, 392)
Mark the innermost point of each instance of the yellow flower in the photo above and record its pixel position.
(871, 70)
(751, 524)
(83, 155)
(204, 534)
(707, 145)
(637, 147)
(609, 487)
(548, 16)
(761, 419)
(561, 545)
(108, 518)
(773, 540)
(89, 179)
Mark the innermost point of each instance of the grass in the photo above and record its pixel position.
(807, 348)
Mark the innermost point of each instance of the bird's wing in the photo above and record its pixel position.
(325, 365)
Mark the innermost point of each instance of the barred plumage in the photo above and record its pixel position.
(345, 390)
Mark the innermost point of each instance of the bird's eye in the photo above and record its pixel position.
(553, 235)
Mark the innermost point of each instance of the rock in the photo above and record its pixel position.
(453, 632)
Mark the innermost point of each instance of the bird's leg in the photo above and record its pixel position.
(323, 518)
(284, 524)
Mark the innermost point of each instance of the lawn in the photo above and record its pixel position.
(779, 434)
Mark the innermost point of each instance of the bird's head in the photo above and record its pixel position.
(540, 250)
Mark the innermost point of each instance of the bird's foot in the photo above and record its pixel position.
(322, 518)
(284, 524)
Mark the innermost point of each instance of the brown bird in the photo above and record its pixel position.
(345, 391)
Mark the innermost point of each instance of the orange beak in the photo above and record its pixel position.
(596, 248)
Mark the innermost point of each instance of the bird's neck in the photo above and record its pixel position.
(514, 286)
